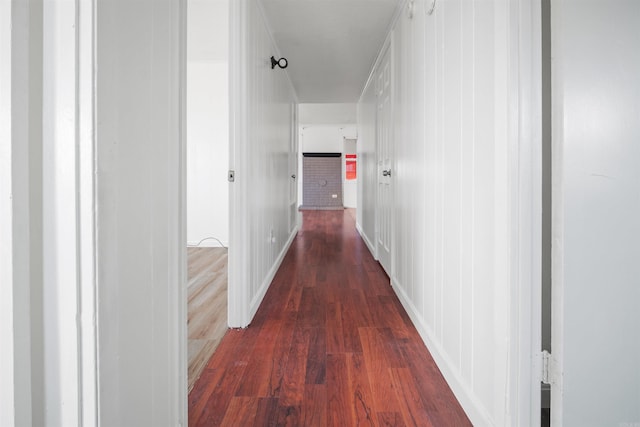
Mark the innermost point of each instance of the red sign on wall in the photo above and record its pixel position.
(351, 166)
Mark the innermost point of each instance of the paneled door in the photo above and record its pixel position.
(384, 148)
(293, 169)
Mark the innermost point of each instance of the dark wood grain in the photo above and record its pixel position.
(314, 409)
(338, 397)
(362, 405)
(330, 345)
(378, 370)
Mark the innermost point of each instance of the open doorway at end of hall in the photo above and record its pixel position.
(328, 156)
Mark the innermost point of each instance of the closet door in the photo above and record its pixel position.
(596, 219)
(384, 138)
(293, 169)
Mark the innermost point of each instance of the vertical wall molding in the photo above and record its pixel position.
(238, 252)
(58, 316)
(87, 208)
(62, 286)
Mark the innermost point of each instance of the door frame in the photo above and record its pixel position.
(238, 300)
(387, 48)
(294, 169)
(525, 149)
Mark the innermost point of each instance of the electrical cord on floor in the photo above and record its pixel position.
(212, 238)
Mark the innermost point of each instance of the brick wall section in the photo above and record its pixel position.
(322, 177)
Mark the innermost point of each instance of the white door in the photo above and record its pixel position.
(384, 141)
(293, 170)
(596, 205)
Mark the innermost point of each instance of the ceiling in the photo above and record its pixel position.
(330, 44)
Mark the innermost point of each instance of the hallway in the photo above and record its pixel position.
(330, 345)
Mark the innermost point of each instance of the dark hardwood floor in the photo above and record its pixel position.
(331, 345)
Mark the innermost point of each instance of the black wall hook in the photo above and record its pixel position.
(282, 63)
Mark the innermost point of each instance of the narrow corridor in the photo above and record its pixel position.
(330, 345)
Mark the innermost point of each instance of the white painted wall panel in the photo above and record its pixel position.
(140, 249)
(484, 336)
(451, 127)
(467, 137)
(451, 176)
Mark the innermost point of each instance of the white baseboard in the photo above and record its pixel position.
(367, 242)
(257, 300)
(470, 403)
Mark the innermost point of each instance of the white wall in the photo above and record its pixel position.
(95, 327)
(208, 122)
(596, 213)
(321, 114)
(262, 117)
(325, 138)
(140, 238)
(15, 247)
(456, 192)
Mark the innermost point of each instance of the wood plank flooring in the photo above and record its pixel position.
(207, 306)
(331, 345)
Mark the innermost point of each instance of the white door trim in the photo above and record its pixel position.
(87, 208)
(181, 271)
(68, 212)
(525, 132)
(68, 90)
(238, 300)
(71, 318)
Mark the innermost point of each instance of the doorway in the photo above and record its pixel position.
(207, 148)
